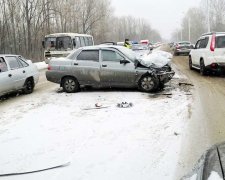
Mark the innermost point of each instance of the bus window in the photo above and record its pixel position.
(77, 42)
(64, 43)
(90, 42)
(82, 41)
(86, 41)
(50, 43)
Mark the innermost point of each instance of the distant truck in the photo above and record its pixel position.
(62, 44)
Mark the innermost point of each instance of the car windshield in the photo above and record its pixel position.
(128, 52)
(73, 54)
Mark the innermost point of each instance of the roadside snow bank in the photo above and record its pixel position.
(41, 65)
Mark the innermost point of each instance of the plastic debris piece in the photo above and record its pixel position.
(124, 105)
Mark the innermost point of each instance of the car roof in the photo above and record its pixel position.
(97, 47)
(3, 55)
(211, 33)
(66, 34)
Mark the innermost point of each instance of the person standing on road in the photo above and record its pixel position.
(127, 44)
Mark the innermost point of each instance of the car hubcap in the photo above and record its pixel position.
(70, 85)
(147, 83)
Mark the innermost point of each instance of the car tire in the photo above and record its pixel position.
(70, 85)
(203, 71)
(28, 86)
(148, 83)
(190, 63)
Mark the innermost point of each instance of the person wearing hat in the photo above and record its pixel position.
(127, 44)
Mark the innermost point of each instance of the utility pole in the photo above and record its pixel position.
(181, 34)
(208, 16)
(189, 28)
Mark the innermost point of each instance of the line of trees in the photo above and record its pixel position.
(197, 20)
(24, 23)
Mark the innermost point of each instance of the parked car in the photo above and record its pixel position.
(183, 47)
(17, 73)
(210, 166)
(140, 49)
(209, 53)
(106, 66)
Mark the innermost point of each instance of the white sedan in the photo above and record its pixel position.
(17, 73)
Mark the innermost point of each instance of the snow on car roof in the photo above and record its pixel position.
(66, 34)
(9, 55)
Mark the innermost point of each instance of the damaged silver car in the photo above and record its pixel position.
(106, 66)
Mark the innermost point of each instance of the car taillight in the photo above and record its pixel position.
(213, 43)
(177, 47)
(214, 65)
(49, 67)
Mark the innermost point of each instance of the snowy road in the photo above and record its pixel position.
(49, 128)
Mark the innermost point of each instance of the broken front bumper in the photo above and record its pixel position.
(165, 77)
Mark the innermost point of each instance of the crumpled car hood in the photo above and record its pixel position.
(155, 59)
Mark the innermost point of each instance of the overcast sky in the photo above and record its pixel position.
(163, 15)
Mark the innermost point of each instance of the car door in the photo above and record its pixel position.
(86, 67)
(17, 72)
(113, 72)
(6, 83)
(195, 54)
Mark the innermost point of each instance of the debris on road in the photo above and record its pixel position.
(98, 105)
(166, 94)
(176, 134)
(124, 105)
(188, 94)
(187, 84)
(101, 107)
(36, 171)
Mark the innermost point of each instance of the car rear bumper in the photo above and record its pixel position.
(53, 76)
(217, 67)
(182, 50)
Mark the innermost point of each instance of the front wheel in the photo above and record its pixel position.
(70, 85)
(148, 83)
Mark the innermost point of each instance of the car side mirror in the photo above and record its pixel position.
(124, 61)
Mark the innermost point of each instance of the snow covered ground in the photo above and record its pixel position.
(49, 129)
(41, 65)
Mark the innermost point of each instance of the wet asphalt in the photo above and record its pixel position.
(206, 123)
